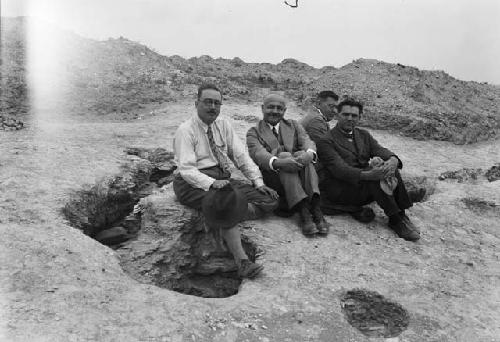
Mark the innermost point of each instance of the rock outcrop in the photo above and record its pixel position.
(109, 203)
(173, 250)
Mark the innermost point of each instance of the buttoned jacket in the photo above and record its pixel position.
(344, 160)
(263, 145)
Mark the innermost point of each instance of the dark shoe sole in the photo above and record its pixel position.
(322, 227)
(310, 233)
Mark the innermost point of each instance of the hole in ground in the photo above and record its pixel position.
(214, 276)
(373, 314)
(173, 251)
(104, 211)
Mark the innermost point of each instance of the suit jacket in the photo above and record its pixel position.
(262, 144)
(344, 161)
(315, 125)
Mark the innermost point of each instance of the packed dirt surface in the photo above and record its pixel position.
(57, 284)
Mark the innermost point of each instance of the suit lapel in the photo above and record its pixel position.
(267, 136)
(342, 140)
(358, 141)
(287, 134)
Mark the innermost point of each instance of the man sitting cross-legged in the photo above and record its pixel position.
(203, 147)
(349, 179)
(284, 153)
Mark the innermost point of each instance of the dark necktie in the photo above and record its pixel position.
(219, 155)
(276, 133)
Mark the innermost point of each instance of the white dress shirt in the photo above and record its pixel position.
(193, 153)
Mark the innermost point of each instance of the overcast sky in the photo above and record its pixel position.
(461, 37)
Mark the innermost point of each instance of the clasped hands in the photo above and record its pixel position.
(293, 163)
(382, 169)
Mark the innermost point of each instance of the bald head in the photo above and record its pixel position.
(274, 98)
(273, 108)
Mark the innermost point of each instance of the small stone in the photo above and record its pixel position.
(112, 236)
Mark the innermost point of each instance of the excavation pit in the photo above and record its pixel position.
(174, 251)
(159, 241)
(373, 315)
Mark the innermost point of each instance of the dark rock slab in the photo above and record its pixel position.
(173, 250)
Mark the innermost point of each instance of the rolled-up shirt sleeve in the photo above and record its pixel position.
(185, 157)
(240, 157)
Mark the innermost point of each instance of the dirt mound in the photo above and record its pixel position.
(480, 206)
(13, 87)
(121, 76)
(471, 174)
(418, 103)
(493, 173)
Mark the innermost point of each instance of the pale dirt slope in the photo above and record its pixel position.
(59, 285)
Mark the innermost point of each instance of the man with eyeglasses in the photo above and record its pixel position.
(345, 152)
(205, 147)
(285, 154)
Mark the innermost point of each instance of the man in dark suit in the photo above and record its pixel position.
(285, 155)
(349, 180)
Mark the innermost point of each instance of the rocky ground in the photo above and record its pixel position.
(58, 284)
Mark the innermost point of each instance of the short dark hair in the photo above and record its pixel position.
(347, 101)
(206, 86)
(323, 95)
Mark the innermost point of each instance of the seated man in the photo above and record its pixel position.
(284, 153)
(203, 146)
(349, 180)
(316, 122)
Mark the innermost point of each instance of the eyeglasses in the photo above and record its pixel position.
(277, 107)
(210, 103)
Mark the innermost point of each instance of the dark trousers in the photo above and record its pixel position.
(339, 192)
(193, 197)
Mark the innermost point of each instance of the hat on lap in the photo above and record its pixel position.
(225, 207)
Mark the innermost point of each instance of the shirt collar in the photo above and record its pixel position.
(323, 115)
(348, 135)
(277, 126)
(203, 125)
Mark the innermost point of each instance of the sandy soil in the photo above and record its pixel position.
(59, 285)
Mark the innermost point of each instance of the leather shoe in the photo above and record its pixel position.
(248, 269)
(306, 221)
(404, 232)
(323, 227)
(409, 224)
(318, 218)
